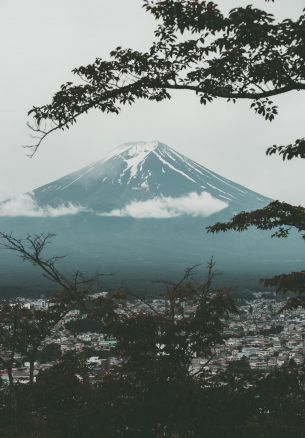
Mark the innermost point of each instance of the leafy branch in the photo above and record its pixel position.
(244, 55)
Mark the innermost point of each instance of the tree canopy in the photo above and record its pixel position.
(246, 54)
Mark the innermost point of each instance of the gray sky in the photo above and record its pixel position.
(40, 43)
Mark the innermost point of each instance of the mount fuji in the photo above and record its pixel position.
(141, 213)
(141, 174)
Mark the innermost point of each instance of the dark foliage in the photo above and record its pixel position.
(49, 353)
(283, 218)
(83, 325)
(277, 215)
(246, 54)
(237, 403)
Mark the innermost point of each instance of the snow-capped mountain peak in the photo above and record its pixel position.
(133, 149)
(134, 155)
(143, 171)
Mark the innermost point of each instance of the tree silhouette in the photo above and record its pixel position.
(246, 54)
(23, 330)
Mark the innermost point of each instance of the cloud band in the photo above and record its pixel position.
(193, 204)
(25, 205)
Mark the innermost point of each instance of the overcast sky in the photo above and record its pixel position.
(40, 43)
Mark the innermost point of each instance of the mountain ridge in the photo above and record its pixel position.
(142, 171)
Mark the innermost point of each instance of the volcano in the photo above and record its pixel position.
(141, 213)
(143, 171)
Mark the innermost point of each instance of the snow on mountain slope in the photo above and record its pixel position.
(142, 172)
(105, 218)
